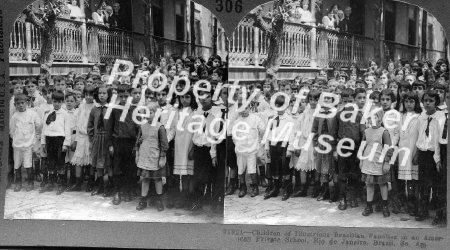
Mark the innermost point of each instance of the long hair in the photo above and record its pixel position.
(415, 97)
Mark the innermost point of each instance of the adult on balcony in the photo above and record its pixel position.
(306, 17)
(328, 21)
(116, 20)
(98, 17)
(75, 11)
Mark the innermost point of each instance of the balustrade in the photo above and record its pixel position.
(80, 42)
(315, 47)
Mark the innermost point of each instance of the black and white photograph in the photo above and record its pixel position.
(71, 155)
(364, 55)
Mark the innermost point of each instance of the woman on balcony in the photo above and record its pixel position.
(306, 16)
(75, 11)
(328, 21)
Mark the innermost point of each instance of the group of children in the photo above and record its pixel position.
(64, 136)
(386, 142)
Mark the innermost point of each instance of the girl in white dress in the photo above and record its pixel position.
(183, 160)
(82, 157)
(409, 171)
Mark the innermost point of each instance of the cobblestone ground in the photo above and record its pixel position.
(83, 206)
(306, 211)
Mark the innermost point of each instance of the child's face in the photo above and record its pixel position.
(21, 105)
(409, 105)
(151, 116)
(441, 93)
(89, 82)
(197, 63)
(48, 97)
(161, 98)
(361, 85)
(245, 112)
(327, 100)
(399, 75)
(145, 61)
(89, 98)
(123, 97)
(323, 73)
(341, 80)
(18, 89)
(216, 63)
(149, 95)
(384, 79)
(302, 106)
(136, 94)
(378, 88)
(61, 86)
(410, 79)
(347, 99)
(266, 88)
(312, 102)
(69, 86)
(419, 90)
(78, 98)
(353, 77)
(375, 121)
(41, 82)
(185, 100)
(369, 80)
(96, 69)
(103, 95)
(31, 88)
(287, 89)
(351, 85)
(57, 104)
(429, 103)
(215, 77)
(70, 102)
(386, 102)
(443, 67)
(403, 91)
(163, 62)
(394, 88)
(79, 86)
(360, 100)
(126, 80)
(172, 71)
(375, 101)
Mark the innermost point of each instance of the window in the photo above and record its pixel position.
(157, 17)
(180, 20)
(389, 25)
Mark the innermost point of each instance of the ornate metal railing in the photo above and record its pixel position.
(79, 42)
(310, 46)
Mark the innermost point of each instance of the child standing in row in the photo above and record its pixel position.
(151, 158)
(55, 140)
(24, 125)
(82, 157)
(373, 172)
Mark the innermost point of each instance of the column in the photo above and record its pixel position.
(312, 6)
(313, 35)
(419, 19)
(28, 41)
(256, 47)
(84, 47)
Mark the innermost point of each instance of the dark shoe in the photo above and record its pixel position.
(368, 210)
(325, 194)
(354, 203)
(378, 207)
(75, 187)
(159, 203)
(18, 187)
(422, 216)
(100, 187)
(287, 189)
(142, 204)
(107, 189)
(127, 197)
(254, 191)
(242, 190)
(395, 207)
(270, 186)
(316, 190)
(232, 186)
(274, 191)
(342, 204)
(262, 176)
(17, 180)
(30, 186)
(116, 199)
(386, 212)
(60, 189)
(90, 184)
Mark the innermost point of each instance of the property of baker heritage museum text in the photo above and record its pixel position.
(313, 112)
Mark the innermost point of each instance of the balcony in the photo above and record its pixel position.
(306, 49)
(78, 45)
